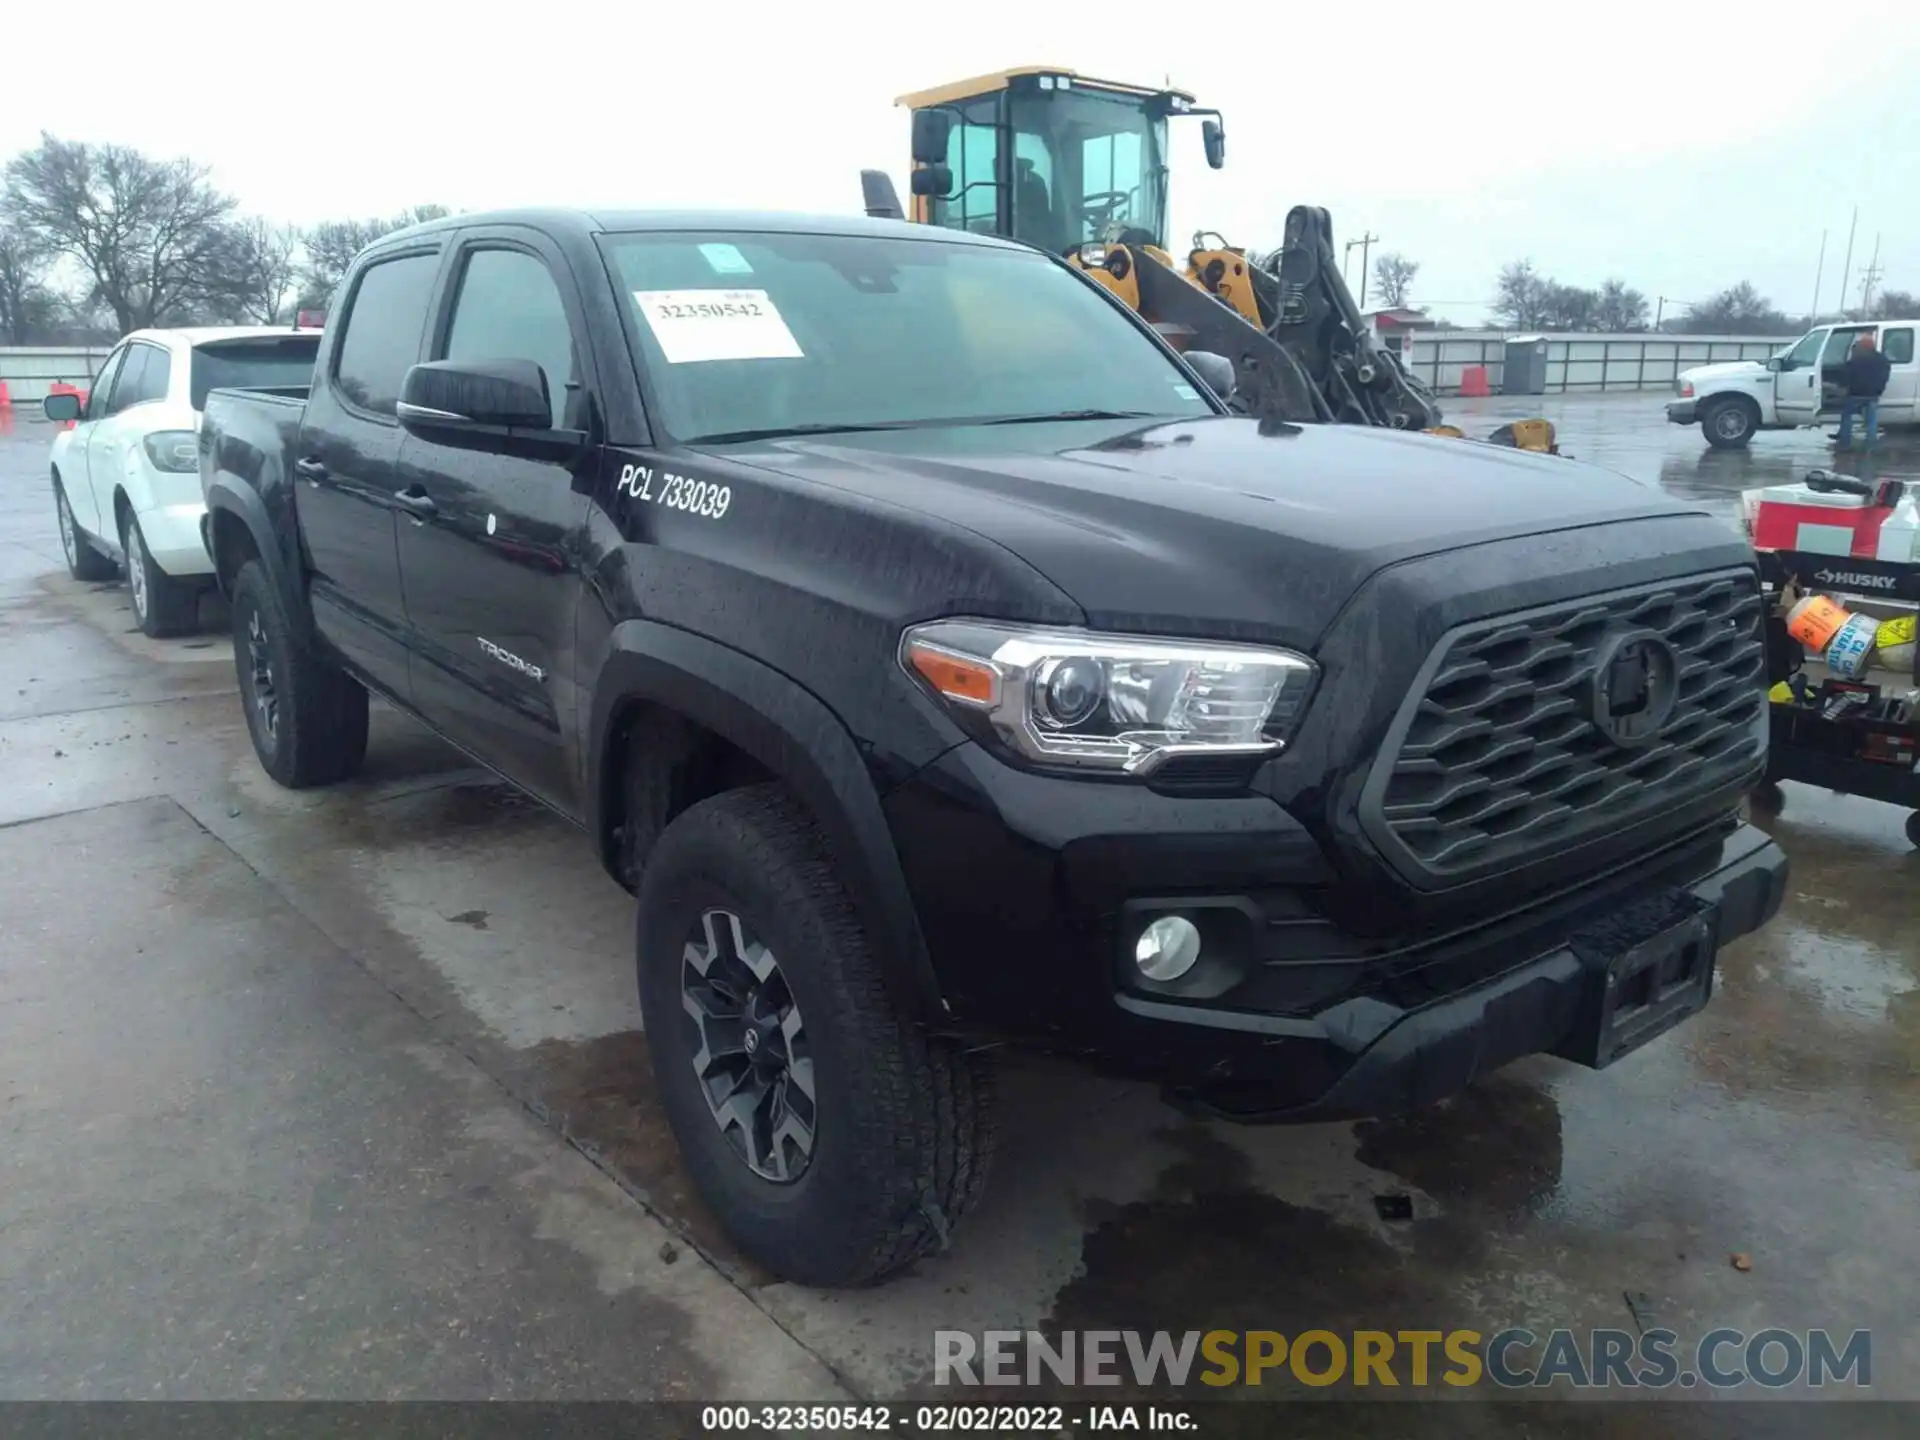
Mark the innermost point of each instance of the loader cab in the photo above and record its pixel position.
(1048, 157)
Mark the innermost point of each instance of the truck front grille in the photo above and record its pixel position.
(1497, 759)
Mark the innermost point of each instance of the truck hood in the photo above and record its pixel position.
(1210, 525)
(1727, 370)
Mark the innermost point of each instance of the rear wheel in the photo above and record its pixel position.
(1913, 828)
(1729, 423)
(307, 717)
(162, 604)
(83, 561)
(835, 1140)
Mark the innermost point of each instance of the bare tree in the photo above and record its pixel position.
(144, 231)
(329, 247)
(1393, 277)
(28, 305)
(1521, 298)
(1622, 309)
(257, 270)
(1738, 310)
(1569, 307)
(1896, 305)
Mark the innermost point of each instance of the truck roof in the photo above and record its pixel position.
(582, 223)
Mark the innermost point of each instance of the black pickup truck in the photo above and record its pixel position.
(942, 666)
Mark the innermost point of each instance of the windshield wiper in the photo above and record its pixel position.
(787, 432)
(1072, 415)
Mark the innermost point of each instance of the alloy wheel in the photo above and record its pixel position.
(69, 541)
(752, 1057)
(137, 570)
(266, 700)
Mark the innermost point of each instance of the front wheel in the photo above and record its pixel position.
(307, 717)
(1729, 424)
(162, 604)
(835, 1140)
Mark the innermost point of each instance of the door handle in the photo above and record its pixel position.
(311, 471)
(416, 502)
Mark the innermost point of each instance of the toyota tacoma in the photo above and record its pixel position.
(943, 666)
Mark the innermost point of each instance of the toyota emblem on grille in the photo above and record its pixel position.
(1636, 682)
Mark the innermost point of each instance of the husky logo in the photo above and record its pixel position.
(1854, 579)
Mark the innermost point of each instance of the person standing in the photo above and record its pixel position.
(1866, 378)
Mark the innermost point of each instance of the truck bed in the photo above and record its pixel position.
(251, 435)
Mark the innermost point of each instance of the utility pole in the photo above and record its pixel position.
(1869, 276)
(1847, 264)
(1813, 315)
(1366, 243)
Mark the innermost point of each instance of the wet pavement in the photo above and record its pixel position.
(419, 974)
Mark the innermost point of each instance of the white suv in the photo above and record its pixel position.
(126, 477)
(1732, 400)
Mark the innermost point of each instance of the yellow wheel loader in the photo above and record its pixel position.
(1078, 167)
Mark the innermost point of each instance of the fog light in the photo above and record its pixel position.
(1167, 948)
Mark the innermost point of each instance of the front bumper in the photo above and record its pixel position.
(1683, 412)
(1031, 895)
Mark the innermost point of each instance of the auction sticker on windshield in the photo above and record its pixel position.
(695, 325)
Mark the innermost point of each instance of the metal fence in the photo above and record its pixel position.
(29, 371)
(1574, 361)
(1582, 361)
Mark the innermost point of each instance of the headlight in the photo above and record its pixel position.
(1117, 703)
(174, 450)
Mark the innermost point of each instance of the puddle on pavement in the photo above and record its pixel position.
(601, 1094)
(1496, 1147)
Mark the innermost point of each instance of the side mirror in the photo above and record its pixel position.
(61, 407)
(1215, 370)
(1213, 135)
(931, 130)
(497, 405)
(934, 180)
(1778, 363)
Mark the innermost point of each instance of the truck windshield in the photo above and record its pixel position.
(755, 333)
(265, 363)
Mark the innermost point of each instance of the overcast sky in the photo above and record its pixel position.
(1682, 146)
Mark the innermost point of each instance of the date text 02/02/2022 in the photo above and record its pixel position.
(940, 1419)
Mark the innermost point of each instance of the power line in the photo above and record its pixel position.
(1870, 276)
(1366, 243)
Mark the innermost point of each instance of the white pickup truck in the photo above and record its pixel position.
(1796, 387)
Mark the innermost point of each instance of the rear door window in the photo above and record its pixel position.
(384, 322)
(1898, 345)
(142, 378)
(269, 363)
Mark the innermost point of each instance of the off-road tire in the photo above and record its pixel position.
(1729, 423)
(320, 734)
(904, 1123)
(162, 605)
(83, 561)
